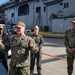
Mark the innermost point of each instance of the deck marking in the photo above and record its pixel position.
(60, 58)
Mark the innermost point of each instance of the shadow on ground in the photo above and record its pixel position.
(53, 59)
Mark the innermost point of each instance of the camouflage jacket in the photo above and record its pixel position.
(2, 47)
(70, 38)
(38, 40)
(20, 50)
(4, 39)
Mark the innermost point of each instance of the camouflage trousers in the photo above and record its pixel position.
(70, 61)
(19, 70)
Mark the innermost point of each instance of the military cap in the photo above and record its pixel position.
(1, 26)
(20, 25)
(73, 20)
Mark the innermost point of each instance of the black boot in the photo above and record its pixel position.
(39, 73)
(31, 73)
(69, 74)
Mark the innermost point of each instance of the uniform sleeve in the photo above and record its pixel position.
(34, 48)
(7, 44)
(66, 40)
(2, 47)
(41, 42)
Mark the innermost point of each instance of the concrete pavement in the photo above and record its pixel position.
(54, 58)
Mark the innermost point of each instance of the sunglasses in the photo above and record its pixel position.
(1, 29)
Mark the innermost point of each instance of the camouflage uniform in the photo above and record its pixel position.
(19, 64)
(70, 43)
(39, 41)
(3, 55)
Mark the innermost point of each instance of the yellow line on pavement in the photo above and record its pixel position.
(60, 58)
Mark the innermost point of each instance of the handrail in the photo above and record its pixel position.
(37, 18)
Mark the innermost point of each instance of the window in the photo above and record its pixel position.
(23, 10)
(38, 9)
(66, 5)
(12, 14)
(61, 3)
(44, 8)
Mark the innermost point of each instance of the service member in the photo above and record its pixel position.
(20, 46)
(39, 41)
(3, 55)
(70, 47)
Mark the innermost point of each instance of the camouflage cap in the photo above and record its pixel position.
(20, 25)
(73, 20)
(1, 26)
